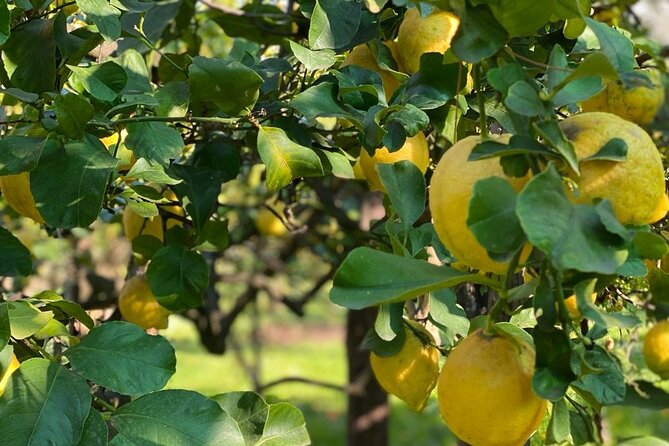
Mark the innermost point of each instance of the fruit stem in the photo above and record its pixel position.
(104, 404)
(483, 118)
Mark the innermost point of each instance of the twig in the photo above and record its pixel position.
(297, 379)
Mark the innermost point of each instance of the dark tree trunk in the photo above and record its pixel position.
(367, 420)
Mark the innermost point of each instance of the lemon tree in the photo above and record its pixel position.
(495, 139)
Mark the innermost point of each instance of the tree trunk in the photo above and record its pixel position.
(367, 420)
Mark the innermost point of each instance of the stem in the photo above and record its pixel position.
(503, 295)
(192, 119)
(104, 404)
(38, 348)
(483, 119)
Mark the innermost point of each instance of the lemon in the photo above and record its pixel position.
(411, 373)
(635, 186)
(485, 391)
(138, 305)
(638, 104)
(363, 57)
(135, 225)
(656, 349)
(572, 305)
(450, 191)
(415, 149)
(269, 224)
(4, 376)
(16, 191)
(419, 35)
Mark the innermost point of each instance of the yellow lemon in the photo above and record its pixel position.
(485, 391)
(635, 186)
(451, 188)
(269, 224)
(4, 376)
(16, 191)
(358, 174)
(638, 103)
(363, 57)
(656, 349)
(138, 305)
(419, 35)
(411, 373)
(135, 225)
(415, 149)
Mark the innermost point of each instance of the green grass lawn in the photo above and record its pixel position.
(323, 408)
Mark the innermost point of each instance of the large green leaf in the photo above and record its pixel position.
(285, 159)
(334, 23)
(25, 319)
(313, 60)
(368, 277)
(15, 259)
(615, 46)
(284, 427)
(176, 418)
(523, 99)
(155, 141)
(574, 236)
(230, 85)
(30, 66)
(321, 100)
(102, 81)
(202, 186)
(446, 314)
(19, 153)
(521, 17)
(405, 185)
(104, 16)
(73, 113)
(69, 182)
(95, 430)
(553, 372)
(44, 403)
(607, 384)
(124, 358)
(178, 277)
(248, 409)
(479, 36)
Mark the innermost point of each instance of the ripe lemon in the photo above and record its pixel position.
(485, 391)
(139, 306)
(415, 149)
(639, 103)
(411, 373)
(635, 186)
(16, 191)
(135, 225)
(4, 376)
(419, 35)
(363, 57)
(450, 190)
(269, 224)
(656, 349)
(572, 305)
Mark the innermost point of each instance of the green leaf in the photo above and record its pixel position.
(405, 186)
(320, 100)
(173, 99)
(4, 22)
(214, 234)
(104, 16)
(230, 85)
(285, 426)
(95, 430)
(174, 417)
(593, 65)
(248, 409)
(151, 172)
(20, 94)
(389, 322)
(447, 315)
(492, 217)
(553, 135)
(433, 85)
(313, 60)
(583, 290)
(73, 113)
(559, 426)
(645, 395)
(178, 277)
(25, 319)
(44, 403)
(202, 186)
(69, 182)
(553, 372)
(334, 23)
(479, 36)
(5, 324)
(615, 149)
(658, 282)
(502, 78)
(219, 155)
(154, 141)
(577, 91)
(521, 17)
(607, 384)
(15, 259)
(615, 46)
(573, 236)
(124, 358)
(518, 145)
(31, 67)
(368, 277)
(557, 70)
(102, 81)
(523, 99)
(285, 160)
